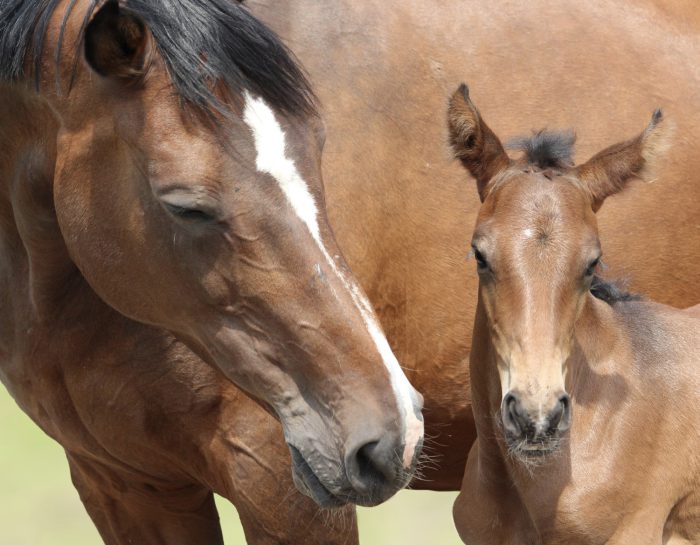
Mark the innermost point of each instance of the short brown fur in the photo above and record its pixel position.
(586, 410)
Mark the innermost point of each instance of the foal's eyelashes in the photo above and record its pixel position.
(481, 262)
(592, 266)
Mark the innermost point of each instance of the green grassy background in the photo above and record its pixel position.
(38, 505)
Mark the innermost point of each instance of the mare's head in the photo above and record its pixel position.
(188, 190)
(536, 247)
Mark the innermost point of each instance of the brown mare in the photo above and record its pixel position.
(163, 237)
(586, 401)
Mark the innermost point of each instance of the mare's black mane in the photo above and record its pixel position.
(201, 42)
(546, 149)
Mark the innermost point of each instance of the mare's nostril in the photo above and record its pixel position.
(368, 467)
(417, 402)
(372, 469)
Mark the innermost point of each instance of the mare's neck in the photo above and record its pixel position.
(29, 232)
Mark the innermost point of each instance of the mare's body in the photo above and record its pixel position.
(397, 202)
(162, 238)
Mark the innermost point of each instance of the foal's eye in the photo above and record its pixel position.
(481, 263)
(189, 214)
(590, 270)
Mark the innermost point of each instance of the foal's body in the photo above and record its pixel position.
(586, 401)
(629, 472)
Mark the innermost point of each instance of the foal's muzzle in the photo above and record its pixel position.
(534, 433)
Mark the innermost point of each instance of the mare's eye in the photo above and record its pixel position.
(189, 214)
(590, 270)
(481, 263)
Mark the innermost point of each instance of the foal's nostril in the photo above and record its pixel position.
(559, 417)
(519, 424)
(563, 421)
(513, 419)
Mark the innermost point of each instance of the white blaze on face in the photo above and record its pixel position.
(270, 146)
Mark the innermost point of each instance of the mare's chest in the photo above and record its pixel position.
(81, 379)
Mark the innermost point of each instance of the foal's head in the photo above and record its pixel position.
(536, 247)
(188, 189)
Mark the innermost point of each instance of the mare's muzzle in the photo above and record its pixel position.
(372, 470)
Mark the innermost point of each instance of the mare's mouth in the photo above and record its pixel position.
(309, 484)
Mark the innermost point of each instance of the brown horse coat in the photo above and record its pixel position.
(162, 240)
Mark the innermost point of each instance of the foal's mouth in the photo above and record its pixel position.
(532, 450)
(311, 485)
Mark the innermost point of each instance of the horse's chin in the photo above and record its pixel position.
(532, 452)
(308, 483)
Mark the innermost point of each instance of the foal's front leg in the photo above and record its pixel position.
(130, 509)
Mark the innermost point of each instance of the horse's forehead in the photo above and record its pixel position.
(534, 200)
(533, 216)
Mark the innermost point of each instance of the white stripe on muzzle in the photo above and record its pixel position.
(271, 158)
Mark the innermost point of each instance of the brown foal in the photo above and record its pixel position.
(586, 399)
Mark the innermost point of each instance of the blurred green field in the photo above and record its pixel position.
(38, 505)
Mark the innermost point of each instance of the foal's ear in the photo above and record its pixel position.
(610, 170)
(117, 43)
(474, 143)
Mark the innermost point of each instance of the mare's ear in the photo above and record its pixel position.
(474, 143)
(610, 170)
(117, 43)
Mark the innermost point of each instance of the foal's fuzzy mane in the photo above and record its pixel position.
(201, 42)
(612, 292)
(546, 149)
